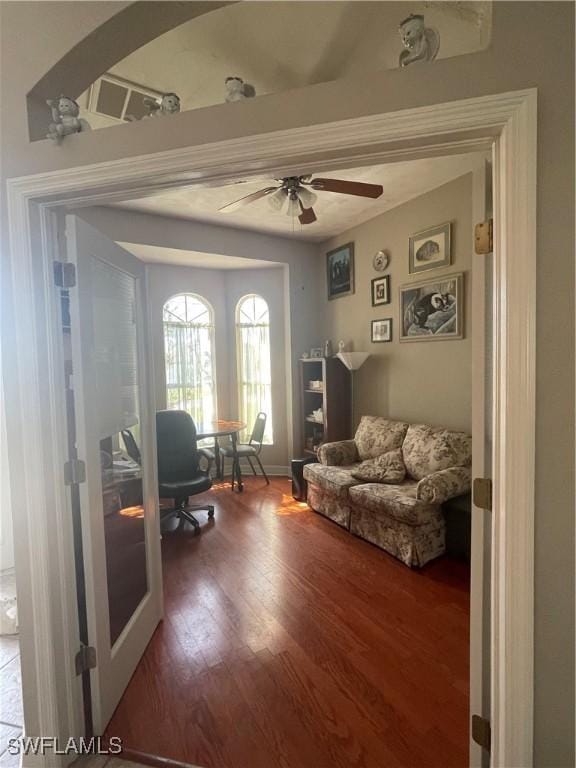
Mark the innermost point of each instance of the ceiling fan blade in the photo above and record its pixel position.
(248, 199)
(348, 187)
(307, 216)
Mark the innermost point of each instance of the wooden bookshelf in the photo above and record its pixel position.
(333, 397)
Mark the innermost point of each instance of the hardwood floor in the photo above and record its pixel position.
(289, 643)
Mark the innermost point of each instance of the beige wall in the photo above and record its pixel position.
(532, 47)
(223, 289)
(417, 381)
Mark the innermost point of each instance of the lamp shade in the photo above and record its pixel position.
(353, 360)
(293, 207)
(307, 198)
(277, 200)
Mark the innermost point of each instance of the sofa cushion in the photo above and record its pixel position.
(336, 480)
(376, 435)
(338, 454)
(430, 449)
(396, 501)
(441, 486)
(387, 468)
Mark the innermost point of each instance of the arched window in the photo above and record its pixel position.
(189, 355)
(253, 354)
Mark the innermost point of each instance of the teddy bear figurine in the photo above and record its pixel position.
(421, 43)
(234, 89)
(169, 104)
(238, 90)
(65, 119)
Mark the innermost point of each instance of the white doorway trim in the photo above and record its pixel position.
(506, 122)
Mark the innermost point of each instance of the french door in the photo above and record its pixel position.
(115, 428)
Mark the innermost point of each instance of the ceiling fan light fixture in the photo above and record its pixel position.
(293, 206)
(277, 200)
(307, 197)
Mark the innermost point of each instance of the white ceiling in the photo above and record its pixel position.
(336, 213)
(152, 254)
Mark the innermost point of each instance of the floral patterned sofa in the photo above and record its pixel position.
(422, 467)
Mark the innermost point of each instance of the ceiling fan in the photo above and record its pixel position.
(296, 190)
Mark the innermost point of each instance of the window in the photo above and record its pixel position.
(189, 347)
(120, 99)
(253, 352)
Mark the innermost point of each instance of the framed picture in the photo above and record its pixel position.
(316, 352)
(430, 249)
(381, 290)
(432, 310)
(340, 271)
(381, 330)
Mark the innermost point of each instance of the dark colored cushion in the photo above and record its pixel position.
(177, 450)
(387, 468)
(241, 450)
(191, 487)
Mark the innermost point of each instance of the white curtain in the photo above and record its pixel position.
(254, 369)
(190, 380)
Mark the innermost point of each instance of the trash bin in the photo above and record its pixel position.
(299, 485)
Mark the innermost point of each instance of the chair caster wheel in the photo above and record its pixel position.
(211, 512)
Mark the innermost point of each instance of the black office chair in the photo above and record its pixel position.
(179, 473)
(250, 450)
(131, 446)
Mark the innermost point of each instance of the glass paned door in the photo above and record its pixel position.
(116, 435)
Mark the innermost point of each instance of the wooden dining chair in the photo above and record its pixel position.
(250, 450)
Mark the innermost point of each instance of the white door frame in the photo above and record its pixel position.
(507, 123)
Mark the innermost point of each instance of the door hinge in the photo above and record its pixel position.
(74, 472)
(64, 274)
(482, 493)
(481, 731)
(484, 237)
(85, 659)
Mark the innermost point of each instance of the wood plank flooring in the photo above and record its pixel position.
(289, 643)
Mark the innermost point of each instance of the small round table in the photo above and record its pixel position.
(223, 428)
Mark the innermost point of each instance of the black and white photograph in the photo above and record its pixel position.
(380, 290)
(381, 330)
(432, 310)
(340, 271)
(430, 249)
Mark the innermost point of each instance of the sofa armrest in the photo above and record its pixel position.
(441, 486)
(338, 454)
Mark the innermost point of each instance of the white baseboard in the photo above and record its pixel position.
(274, 470)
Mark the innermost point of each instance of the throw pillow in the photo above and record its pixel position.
(386, 468)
